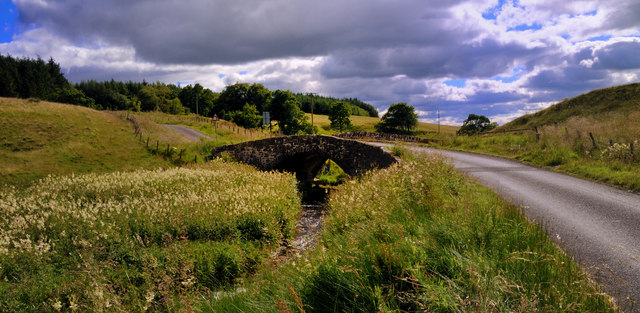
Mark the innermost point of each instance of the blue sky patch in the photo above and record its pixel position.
(8, 16)
(517, 72)
(590, 13)
(492, 13)
(458, 83)
(523, 27)
(600, 38)
(220, 75)
(243, 72)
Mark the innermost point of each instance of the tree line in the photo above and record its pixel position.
(241, 103)
(29, 78)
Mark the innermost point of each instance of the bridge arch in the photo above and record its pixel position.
(304, 155)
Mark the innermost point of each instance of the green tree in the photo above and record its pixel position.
(150, 101)
(476, 124)
(276, 107)
(172, 106)
(339, 115)
(8, 77)
(249, 117)
(400, 118)
(134, 104)
(160, 97)
(72, 96)
(293, 120)
(234, 97)
(258, 96)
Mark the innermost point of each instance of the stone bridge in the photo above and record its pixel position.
(305, 155)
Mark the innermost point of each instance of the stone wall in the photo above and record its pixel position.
(385, 137)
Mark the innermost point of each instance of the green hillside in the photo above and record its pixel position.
(40, 138)
(620, 99)
(594, 136)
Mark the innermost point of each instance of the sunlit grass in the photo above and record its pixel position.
(568, 147)
(131, 241)
(39, 138)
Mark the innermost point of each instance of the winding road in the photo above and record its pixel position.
(189, 133)
(598, 225)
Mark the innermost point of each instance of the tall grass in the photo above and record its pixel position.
(123, 242)
(420, 237)
(568, 147)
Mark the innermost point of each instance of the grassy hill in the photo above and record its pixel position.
(623, 99)
(595, 135)
(39, 138)
(42, 138)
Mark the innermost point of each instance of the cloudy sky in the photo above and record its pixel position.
(500, 58)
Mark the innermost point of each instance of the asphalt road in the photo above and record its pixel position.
(596, 224)
(189, 133)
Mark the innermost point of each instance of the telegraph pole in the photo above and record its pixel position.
(313, 130)
(438, 109)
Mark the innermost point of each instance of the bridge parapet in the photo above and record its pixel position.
(305, 154)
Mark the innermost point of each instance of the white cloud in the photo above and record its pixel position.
(588, 63)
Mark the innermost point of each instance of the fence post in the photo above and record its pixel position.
(157, 146)
(593, 141)
(633, 155)
(147, 142)
(537, 134)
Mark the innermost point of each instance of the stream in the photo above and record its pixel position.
(309, 225)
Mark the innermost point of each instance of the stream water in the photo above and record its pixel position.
(309, 225)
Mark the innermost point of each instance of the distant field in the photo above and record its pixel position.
(366, 123)
(39, 138)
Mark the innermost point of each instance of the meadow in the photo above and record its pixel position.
(142, 240)
(420, 237)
